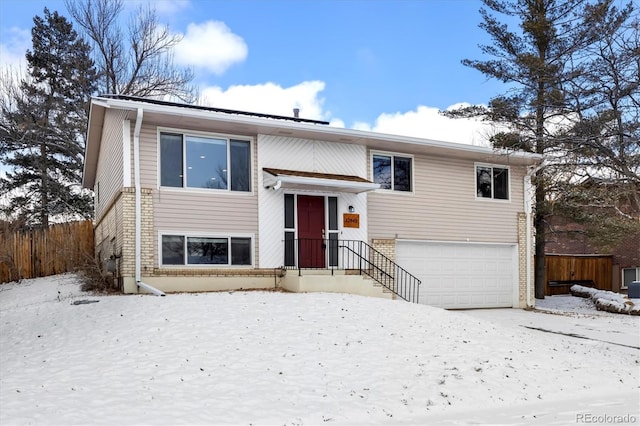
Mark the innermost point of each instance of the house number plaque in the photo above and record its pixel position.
(351, 220)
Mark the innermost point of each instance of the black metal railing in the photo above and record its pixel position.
(350, 255)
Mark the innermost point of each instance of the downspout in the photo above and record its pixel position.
(138, 223)
(528, 210)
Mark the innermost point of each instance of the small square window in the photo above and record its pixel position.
(392, 172)
(492, 182)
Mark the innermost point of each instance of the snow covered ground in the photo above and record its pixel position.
(279, 358)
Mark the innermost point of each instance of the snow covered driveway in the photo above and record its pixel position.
(277, 358)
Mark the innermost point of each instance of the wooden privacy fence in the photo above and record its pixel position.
(563, 271)
(45, 251)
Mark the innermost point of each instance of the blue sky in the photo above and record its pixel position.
(378, 65)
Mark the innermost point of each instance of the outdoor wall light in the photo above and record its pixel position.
(351, 209)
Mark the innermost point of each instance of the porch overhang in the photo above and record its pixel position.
(295, 179)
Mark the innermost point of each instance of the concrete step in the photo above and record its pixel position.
(337, 283)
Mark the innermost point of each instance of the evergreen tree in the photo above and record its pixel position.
(43, 126)
(539, 60)
(603, 190)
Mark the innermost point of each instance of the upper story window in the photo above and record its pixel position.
(393, 172)
(492, 182)
(190, 161)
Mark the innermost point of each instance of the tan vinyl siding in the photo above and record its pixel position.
(148, 156)
(196, 210)
(109, 170)
(443, 206)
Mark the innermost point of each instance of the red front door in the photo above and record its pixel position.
(311, 231)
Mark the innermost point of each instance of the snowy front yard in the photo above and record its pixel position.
(278, 358)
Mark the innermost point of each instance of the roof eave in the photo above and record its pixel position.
(335, 134)
(92, 148)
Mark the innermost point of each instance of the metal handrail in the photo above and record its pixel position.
(335, 254)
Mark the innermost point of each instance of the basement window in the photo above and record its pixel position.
(206, 250)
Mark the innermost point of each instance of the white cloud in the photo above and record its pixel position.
(170, 7)
(16, 41)
(210, 46)
(427, 122)
(269, 98)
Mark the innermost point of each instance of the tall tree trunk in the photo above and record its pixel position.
(541, 231)
(541, 189)
(44, 195)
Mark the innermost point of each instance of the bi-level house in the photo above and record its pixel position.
(191, 198)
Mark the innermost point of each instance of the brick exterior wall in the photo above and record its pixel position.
(109, 234)
(386, 247)
(128, 207)
(118, 222)
(568, 238)
(147, 249)
(522, 263)
(127, 262)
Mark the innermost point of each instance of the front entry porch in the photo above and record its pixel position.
(338, 262)
(334, 281)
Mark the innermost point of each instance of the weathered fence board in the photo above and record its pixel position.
(45, 251)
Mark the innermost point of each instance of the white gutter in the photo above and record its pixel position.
(138, 224)
(528, 209)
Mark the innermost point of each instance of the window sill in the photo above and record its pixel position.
(203, 267)
(391, 191)
(492, 200)
(205, 191)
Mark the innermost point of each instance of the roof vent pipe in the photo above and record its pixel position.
(296, 112)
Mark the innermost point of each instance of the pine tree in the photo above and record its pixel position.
(538, 60)
(43, 126)
(603, 191)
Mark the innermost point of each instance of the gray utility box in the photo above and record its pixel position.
(634, 290)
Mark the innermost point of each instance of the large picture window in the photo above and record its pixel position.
(392, 172)
(492, 182)
(195, 250)
(204, 162)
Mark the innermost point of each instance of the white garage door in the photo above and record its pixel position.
(461, 275)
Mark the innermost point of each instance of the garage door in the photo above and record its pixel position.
(461, 275)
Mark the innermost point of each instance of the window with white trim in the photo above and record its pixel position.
(630, 275)
(492, 182)
(392, 172)
(196, 161)
(197, 250)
